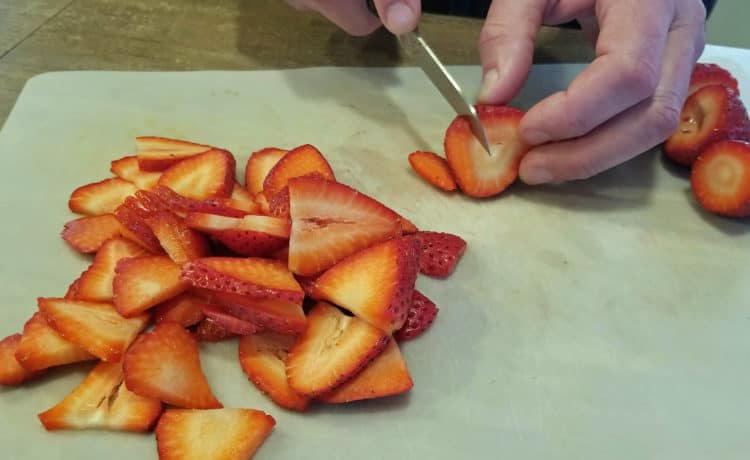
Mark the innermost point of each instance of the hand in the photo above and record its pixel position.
(399, 16)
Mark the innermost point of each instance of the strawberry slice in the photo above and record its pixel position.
(711, 114)
(251, 235)
(186, 310)
(220, 206)
(331, 221)
(103, 402)
(217, 434)
(263, 206)
(298, 162)
(87, 234)
(181, 243)
(279, 204)
(96, 282)
(440, 253)
(206, 175)
(251, 277)
(259, 164)
(242, 199)
(159, 153)
(720, 179)
(94, 326)
(42, 347)
(433, 169)
(73, 289)
(144, 282)
(134, 213)
(263, 358)
(711, 74)
(421, 315)
(282, 255)
(376, 284)
(209, 330)
(229, 322)
(307, 283)
(11, 372)
(333, 349)
(386, 375)
(101, 197)
(165, 364)
(480, 175)
(127, 168)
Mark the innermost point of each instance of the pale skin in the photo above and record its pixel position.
(645, 52)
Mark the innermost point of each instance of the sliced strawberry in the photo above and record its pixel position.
(243, 199)
(96, 282)
(103, 402)
(258, 165)
(712, 114)
(478, 174)
(181, 243)
(204, 176)
(386, 375)
(218, 434)
(165, 364)
(100, 197)
(263, 206)
(307, 283)
(73, 289)
(263, 358)
(279, 204)
(127, 168)
(434, 169)
(375, 284)
(159, 153)
(298, 162)
(209, 330)
(134, 213)
(42, 347)
(333, 349)
(711, 74)
(252, 277)
(11, 371)
(219, 206)
(251, 235)
(440, 253)
(282, 255)
(185, 309)
(144, 282)
(720, 178)
(94, 326)
(229, 322)
(331, 221)
(87, 234)
(421, 315)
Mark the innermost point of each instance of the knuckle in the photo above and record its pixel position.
(640, 73)
(664, 114)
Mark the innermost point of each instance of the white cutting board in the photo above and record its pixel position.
(603, 319)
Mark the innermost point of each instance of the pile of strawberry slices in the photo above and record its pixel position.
(314, 279)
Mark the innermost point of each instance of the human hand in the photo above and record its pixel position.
(399, 16)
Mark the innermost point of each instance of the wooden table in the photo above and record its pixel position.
(39, 36)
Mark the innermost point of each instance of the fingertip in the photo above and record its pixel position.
(400, 18)
(534, 171)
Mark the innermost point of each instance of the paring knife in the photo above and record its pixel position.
(416, 47)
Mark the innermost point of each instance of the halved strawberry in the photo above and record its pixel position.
(229, 322)
(250, 235)
(478, 174)
(42, 347)
(209, 330)
(159, 153)
(186, 310)
(263, 358)
(206, 175)
(133, 214)
(386, 375)
(279, 204)
(220, 206)
(434, 169)
(144, 282)
(258, 165)
(217, 434)
(421, 315)
(11, 371)
(720, 178)
(376, 284)
(181, 243)
(103, 402)
(440, 253)
(127, 168)
(711, 74)
(331, 221)
(712, 114)
(165, 364)
(96, 282)
(94, 326)
(298, 162)
(101, 197)
(87, 234)
(333, 349)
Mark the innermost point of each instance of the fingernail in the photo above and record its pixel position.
(399, 18)
(537, 175)
(535, 136)
(488, 84)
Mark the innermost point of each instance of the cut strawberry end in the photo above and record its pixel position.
(433, 169)
(720, 179)
(420, 317)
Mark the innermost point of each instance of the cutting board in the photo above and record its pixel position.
(607, 318)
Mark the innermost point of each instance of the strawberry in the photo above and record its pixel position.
(376, 284)
(181, 243)
(231, 323)
(711, 74)
(159, 153)
(263, 206)
(206, 175)
(263, 358)
(103, 402)
(42, 347)
(73, 289)
(307, 283)
(96, 282)
(209, 330)
(220, 206)
(11, 372)
(133, 214)
(478, 174)
(251, 235)
(87, 234)
(165, 364)
(433, 169)
(440, 253)
(101, 197)
(386, 375)
(258, 165)
(217, 434)
(421, 315)
(251, 277)
(331, 221)
(720, 178)
(127, 168)
(298, 162)
(333, 349)
(144, 282)
(282, 255)
(242, 199)
(279, 204)
(186, 310)
(94, 326)
(711, 114)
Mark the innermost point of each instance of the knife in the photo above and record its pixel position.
(416, 47)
